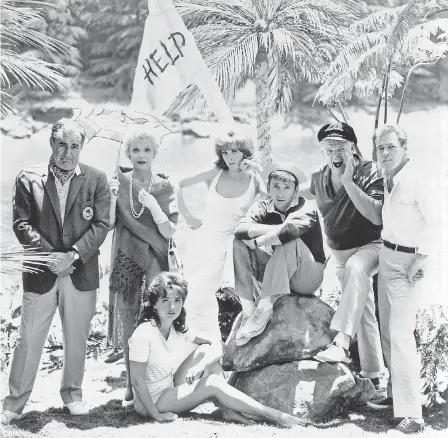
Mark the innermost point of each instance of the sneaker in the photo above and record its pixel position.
(254, 326)
(8, 416)
(333, 353)
(408, 425)
(77, 407)
(384, 403)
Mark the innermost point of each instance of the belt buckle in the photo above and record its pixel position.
(396, 247)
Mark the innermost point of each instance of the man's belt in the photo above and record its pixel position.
(400, 248)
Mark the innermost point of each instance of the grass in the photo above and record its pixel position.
(104, 386)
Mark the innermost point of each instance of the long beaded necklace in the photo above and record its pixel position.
(131, 198)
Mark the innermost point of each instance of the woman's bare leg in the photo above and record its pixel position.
(128, 395)
(192, 360)
(214, 368)
(185, 397)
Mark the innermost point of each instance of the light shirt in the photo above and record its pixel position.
(62, 190)
(162, 356)
(410, 213)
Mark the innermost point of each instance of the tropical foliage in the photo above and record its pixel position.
(278, 43)
(382, 43)
(115, 35)
(22, 45)
(432, 339)
(62, 23)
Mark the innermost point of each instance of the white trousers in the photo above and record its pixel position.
(398, 305)
(356, 311)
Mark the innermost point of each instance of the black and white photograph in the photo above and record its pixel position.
(224, 218)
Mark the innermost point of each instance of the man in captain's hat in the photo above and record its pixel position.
(279, 243)
(349, 194)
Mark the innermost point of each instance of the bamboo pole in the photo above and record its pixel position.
(386, 90)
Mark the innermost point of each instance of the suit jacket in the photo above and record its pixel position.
(37, 222)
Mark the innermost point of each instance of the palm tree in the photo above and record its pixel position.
(383, 42)
(26, 69)
(278, 43)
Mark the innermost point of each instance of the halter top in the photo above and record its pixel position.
(223, 214)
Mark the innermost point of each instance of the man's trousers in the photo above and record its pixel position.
(356, 311)
(290, 268)
(76, 309)
(398, 305)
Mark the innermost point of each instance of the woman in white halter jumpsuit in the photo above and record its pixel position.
(233, 185)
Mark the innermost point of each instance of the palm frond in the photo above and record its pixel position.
(9, 102)
(17, 67)
(348, 55)
(15, 259)
(29, 71)
(316, 12)
(411, 13)
(200, 12)
(377, 21)
(16, 31)
(230, 65)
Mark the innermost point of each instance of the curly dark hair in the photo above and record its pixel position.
(232, 141)
(156, 290)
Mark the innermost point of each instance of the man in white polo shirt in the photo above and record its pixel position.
(409, 222)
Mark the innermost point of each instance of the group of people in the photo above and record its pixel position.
(260, 239)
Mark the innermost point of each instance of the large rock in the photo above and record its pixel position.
(308, 389)
(298, 329)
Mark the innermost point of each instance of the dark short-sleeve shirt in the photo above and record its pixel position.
(301, 221)
(344, 225)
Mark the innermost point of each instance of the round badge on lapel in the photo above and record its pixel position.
(87, 213)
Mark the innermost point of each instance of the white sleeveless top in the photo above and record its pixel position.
(223, 214)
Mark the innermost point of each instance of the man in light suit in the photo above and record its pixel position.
(62, 208)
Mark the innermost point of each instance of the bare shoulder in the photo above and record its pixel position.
(205, 176)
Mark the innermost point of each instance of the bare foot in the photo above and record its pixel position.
(233, 416)
(128, 395)
(287, 420)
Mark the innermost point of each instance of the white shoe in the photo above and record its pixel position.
(333, 353)
(254, 326)
(77, 407)
(8, 416)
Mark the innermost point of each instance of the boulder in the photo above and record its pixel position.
(307, 389)
(298, 329)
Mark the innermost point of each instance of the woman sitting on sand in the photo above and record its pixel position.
(175, 369)
(233, 183)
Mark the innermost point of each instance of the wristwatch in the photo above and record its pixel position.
(74, 253)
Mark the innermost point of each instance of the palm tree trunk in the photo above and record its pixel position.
(263, 109)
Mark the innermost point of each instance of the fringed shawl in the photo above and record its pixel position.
(139, 240)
